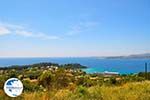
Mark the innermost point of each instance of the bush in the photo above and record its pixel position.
(82, 91)
(46, 79)
(31, 87)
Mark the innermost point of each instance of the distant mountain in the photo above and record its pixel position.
(135, 56)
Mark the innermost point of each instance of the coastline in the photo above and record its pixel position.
(122, 66)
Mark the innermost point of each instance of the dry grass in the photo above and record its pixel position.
(129, 91)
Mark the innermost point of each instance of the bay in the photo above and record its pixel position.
(123, 66)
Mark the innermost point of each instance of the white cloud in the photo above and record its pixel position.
(20, 30)
(11, 26)
(7, 29)
(44, 36)
(75, 30)
(24, 33)
(4, 31)
(81, 27)
(35, 35)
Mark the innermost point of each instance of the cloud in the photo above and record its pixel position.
(75, 30)
(4, 31)
(81, 27)
(42, 35)
(24, 33)
(7, 29)
(37, 35)
(20, 30)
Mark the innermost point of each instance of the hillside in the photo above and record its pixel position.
(129, 91)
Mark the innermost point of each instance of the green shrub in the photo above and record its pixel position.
(31, 87)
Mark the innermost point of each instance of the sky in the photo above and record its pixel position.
(74, 28)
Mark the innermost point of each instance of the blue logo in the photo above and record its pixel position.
(13, 87)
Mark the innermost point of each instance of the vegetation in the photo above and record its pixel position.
(48, 81)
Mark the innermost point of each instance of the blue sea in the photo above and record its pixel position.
(123, 66)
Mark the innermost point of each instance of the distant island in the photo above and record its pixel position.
(135, 56)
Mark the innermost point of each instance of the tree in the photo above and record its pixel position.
(61, 79)
(46, 79)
